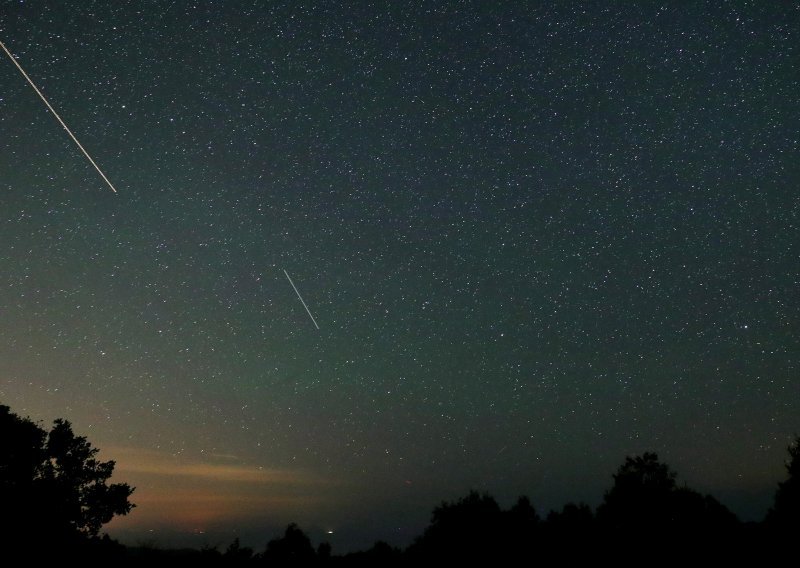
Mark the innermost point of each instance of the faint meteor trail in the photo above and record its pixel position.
(38, 92)
(301, 298)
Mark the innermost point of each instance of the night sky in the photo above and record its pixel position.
(536, 237)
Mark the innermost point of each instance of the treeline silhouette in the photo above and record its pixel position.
(54, 498)
(54, 495)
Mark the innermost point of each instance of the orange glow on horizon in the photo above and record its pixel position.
(190, 495)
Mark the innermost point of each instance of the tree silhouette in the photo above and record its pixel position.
(237, 554)
(523, 515)
(468, 528)
(324, 551)
(294, 548)
(785, 513)
(574, 519)
(561, 531)
(640, 497)
(381, 554)
(692, 512)
(646, 509)
(520, 525)
(52, 485)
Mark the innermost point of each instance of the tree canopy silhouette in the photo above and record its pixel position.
(640, 496)
(645, 502)
(573, 518)
(52, 485)
(471, 527)
(785, 513)
(294, 548)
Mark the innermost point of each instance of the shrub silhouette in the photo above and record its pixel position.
(52, 486)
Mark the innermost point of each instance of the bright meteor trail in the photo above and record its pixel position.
(301, 298)
(38, 92)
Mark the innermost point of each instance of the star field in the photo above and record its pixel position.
(536, 238)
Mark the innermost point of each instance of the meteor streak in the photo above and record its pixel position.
(301, 298)
(38, 92)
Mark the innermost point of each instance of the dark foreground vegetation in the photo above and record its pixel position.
(55, 497)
